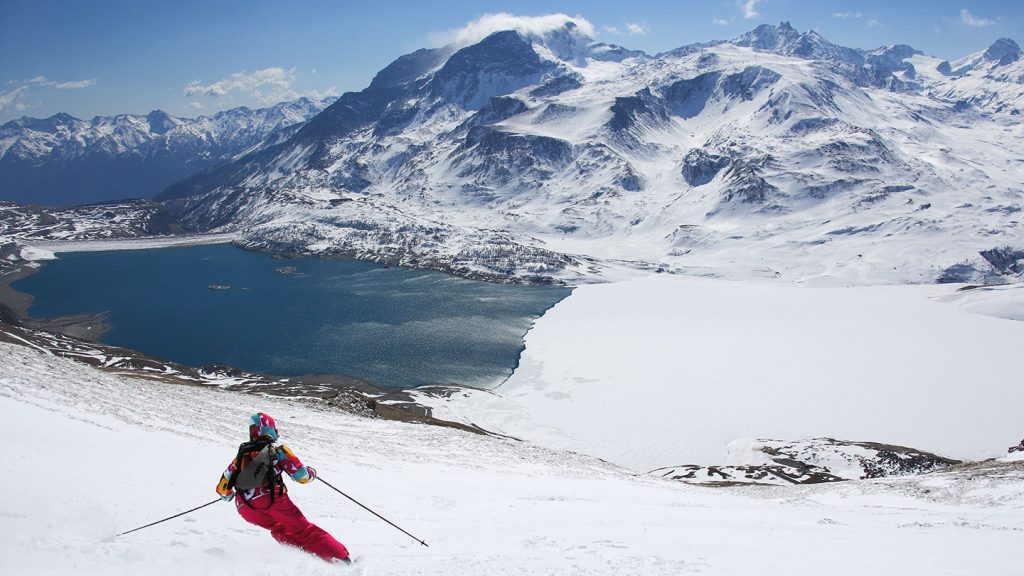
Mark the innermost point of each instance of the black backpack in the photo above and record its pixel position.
(254, 468)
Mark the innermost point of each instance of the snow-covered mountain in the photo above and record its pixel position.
(549, 155)
(992, 79)
(64, 160)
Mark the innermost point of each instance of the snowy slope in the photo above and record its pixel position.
(774, 154)
(87, 463)
(666, 371)
(992, 78)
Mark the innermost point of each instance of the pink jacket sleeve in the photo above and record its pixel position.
(288, 463)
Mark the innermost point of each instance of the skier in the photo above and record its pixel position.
(267, 505)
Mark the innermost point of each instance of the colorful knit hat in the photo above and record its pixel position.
(262, 426)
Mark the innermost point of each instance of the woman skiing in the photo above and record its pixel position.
(254, 476)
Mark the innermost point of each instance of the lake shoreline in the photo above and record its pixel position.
(69, 336)
(14, 307)
(404, 343)
(351, 395)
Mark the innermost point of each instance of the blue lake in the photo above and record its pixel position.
(392, 326)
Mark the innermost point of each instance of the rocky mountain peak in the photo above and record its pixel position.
(410, 67)
(1004, 51)
(161, 122)
(786, 40)
(51, 124)
(499, 64)
(769, 38)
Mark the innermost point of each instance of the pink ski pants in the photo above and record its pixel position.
(288, 526)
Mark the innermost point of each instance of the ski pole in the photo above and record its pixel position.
(371, 511)
(168, 518)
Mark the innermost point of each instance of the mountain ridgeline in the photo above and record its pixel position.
(548, 156)
(63, 160)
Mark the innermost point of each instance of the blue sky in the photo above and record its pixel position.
(193, 57)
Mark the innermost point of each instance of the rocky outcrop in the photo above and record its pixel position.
(701, 166)
(994, 266)
(809, 462)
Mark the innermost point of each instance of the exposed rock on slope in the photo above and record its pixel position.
(809, 462)
(128, 219)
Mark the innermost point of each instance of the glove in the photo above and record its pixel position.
(312, 473)
(228, 497)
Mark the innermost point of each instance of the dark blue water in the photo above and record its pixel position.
(393, 326)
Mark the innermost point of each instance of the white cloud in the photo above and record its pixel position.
(720, 21)
(23, 88)
(750, 9)
(269, 85)
(637, 29)
(65, 85)
(874, 23)
(488, 24)
(8, 98)
(631, 28)
(974, 21)
(74, 84)
(846, 15)
(196, 105)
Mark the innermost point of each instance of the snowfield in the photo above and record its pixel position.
(94, 454)
(666, 370)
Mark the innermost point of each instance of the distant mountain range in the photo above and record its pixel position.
(550, 156)
(64, 160)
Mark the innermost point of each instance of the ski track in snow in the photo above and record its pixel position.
(96, 453)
